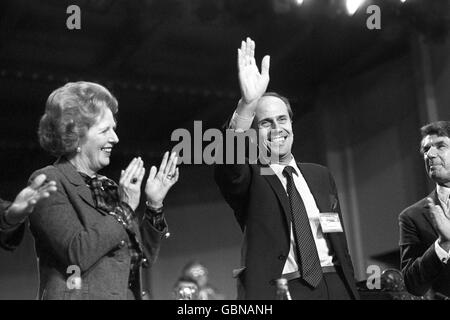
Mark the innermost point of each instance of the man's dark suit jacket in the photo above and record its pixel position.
(421, 267)
(9, 238)
(261, 207)
(70, 231)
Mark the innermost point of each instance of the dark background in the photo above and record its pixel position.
(359, 97)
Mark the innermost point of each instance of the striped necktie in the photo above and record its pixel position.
(308, 259)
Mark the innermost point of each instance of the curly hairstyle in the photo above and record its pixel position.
(69, 113)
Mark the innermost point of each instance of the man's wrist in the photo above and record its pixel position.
(246, 109)
(242, 118)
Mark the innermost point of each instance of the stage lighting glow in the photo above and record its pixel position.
(353, 5)
(299, 2)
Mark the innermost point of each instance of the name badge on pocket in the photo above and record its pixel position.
(330, 222)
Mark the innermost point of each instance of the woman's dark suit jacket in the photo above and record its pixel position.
(69, 231)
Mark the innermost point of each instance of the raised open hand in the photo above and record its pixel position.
(160, 181)
(253, 84)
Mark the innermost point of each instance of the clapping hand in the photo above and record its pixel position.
(25, 201)
(130, 183)
(440, 220)
(161, 180)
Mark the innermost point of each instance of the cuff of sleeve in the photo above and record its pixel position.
(5, 225)
(156, 218)
(441, 253)
(158, 222)
(240, 123)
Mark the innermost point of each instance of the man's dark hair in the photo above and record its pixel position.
(282, 98)
(439, 128)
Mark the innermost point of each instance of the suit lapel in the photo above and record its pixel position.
(75, 178)
(85, 193)
(279, 190)
(325, 202)
(321, 197)
(319, 192)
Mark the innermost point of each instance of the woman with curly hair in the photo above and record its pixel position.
(89, 240)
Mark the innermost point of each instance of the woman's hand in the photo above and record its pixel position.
(130, 183)
(160, 181)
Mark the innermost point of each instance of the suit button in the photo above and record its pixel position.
(145, 263)
(143, 293)
(122, 244)
(281, 257)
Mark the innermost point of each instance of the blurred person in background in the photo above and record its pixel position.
(197, 273)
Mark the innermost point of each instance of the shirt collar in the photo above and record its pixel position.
(443, 193)
(278, 168)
